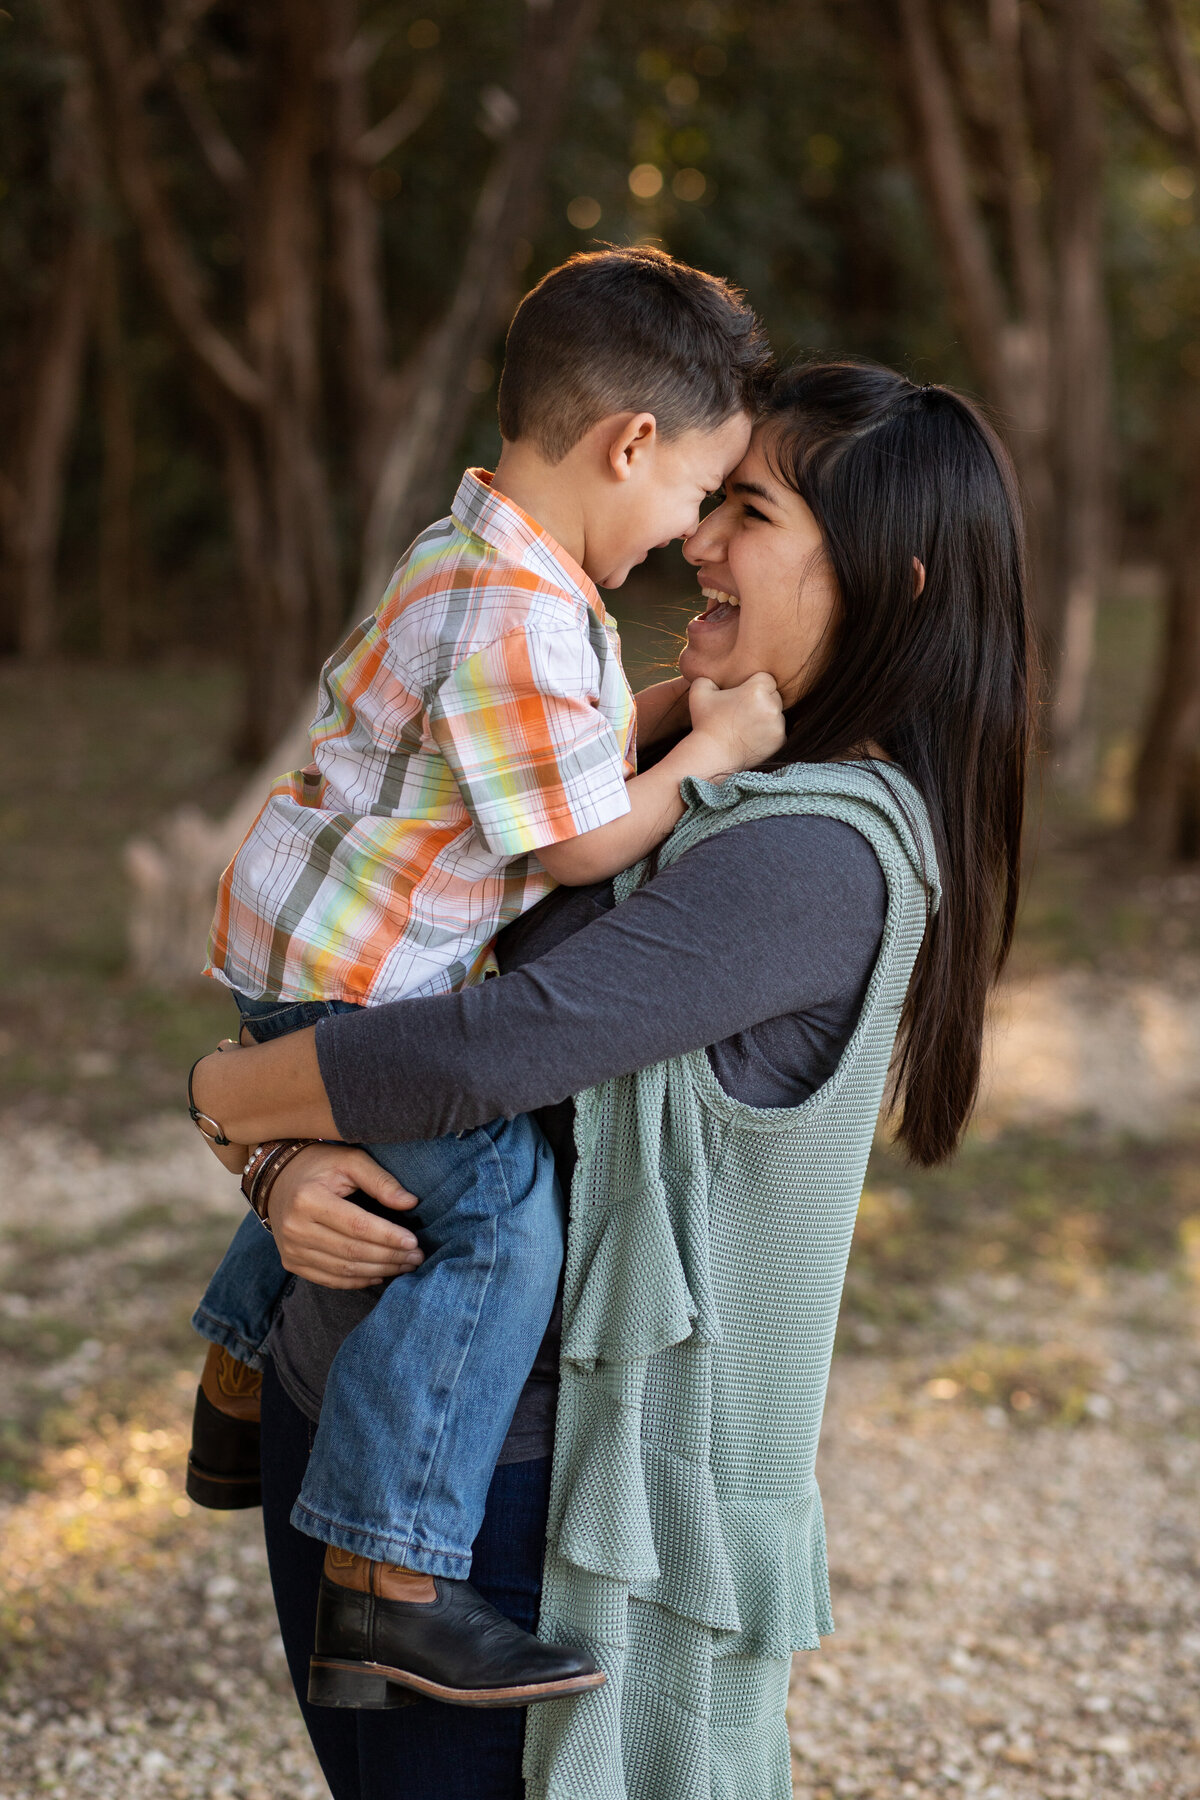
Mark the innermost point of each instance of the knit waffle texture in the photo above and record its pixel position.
(705, 1259)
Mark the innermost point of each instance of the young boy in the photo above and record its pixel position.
(475, 744)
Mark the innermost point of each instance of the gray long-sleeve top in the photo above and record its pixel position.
(757, 943)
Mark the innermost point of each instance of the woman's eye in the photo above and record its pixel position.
(752, 512)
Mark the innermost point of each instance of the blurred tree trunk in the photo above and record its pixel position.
(299, 601)
(373, 392)
(116, 536)
(1167, 783)
(263, 392)
(1082, 364)
(54, 395)
(1033, 322)
(32, 513)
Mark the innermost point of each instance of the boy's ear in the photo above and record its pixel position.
(633, 435)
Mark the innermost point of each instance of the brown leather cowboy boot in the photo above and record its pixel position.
(386, 1635)
(223, 1463)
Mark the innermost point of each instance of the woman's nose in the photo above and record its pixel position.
(704, 544)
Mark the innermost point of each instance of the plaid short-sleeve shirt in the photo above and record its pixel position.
(480, 714)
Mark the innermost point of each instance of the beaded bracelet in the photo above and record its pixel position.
(266, 1163)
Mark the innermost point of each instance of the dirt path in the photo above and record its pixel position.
(1010, 1492)
(1018, 1605)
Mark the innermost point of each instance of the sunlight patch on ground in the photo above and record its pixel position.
(140, 1654)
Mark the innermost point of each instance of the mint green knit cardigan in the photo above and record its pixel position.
(705, 1258)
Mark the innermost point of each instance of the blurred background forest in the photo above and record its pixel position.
(256, 263)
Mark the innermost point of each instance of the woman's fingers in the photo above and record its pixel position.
(333, 1234)
(374, 1180)
(324, 1236)
(334, 1171)
(382, 1258)
(330, 1258)
(358, 1232)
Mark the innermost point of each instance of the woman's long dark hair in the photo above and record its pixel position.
(940, 680)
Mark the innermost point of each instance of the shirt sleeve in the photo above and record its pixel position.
(771, 917)
(520, 725)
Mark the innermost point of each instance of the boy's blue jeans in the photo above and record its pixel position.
(421, 1394)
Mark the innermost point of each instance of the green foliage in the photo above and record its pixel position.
(769, 126)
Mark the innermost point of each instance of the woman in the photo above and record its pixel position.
(727, 1026)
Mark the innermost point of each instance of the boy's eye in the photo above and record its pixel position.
(711, 502)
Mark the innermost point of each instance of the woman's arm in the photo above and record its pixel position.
(248, 1088)
(765, 919)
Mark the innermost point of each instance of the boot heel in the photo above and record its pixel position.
(349, 1684)
(221, 1493)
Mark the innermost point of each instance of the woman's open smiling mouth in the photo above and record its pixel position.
(721, 607)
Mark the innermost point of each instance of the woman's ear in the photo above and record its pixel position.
(918, 577)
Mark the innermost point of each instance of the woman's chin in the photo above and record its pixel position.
(691, 663)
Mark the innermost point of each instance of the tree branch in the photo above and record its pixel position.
(167, 256)
(1160, 115)
(1185, 70)
(555, 32)
(973, 275)
(218, 150)
(404, 119)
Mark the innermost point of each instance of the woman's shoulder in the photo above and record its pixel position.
(874, 800)
(780, 865)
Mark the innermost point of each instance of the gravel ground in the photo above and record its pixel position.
(1010, 1490)
(1018, 1605)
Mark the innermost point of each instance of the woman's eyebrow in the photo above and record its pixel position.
(755, 489)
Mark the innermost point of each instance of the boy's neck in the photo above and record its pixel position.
(546, 491)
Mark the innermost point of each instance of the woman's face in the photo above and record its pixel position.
(769, 594)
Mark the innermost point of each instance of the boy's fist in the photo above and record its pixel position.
(746, 721)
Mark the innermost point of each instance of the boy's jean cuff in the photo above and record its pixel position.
(219, 1331)
(389, 1547)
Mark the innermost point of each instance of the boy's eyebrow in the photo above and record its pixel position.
(753, 488)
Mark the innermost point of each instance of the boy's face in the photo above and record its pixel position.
(661, 486)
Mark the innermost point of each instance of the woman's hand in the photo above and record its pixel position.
(746, 721)
(323, 1236)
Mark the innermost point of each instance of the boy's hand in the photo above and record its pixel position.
(746, 722)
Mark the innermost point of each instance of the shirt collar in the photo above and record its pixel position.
(500, 522)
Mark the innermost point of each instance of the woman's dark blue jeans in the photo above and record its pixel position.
(426, 1751)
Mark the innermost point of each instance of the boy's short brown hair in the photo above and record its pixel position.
(627, 330)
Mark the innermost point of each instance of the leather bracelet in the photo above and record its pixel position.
(254, 1163)
(263, 1170)
(261, 1174)
(254, 1166)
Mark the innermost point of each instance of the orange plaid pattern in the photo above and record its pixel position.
(480, 714)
